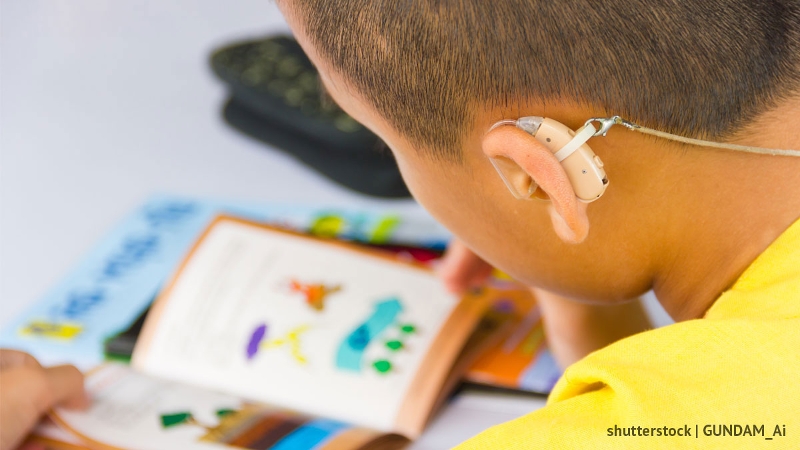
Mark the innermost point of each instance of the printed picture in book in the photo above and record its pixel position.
(383, 329)
(252, 426)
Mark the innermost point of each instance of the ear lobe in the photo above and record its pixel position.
(572, 228)
(524, 162)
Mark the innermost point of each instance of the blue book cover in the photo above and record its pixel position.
(120, 277)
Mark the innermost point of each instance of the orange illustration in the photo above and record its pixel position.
(315, 293)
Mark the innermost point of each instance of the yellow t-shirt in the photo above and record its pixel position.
(730, 380)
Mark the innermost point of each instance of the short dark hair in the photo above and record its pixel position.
(693, 67)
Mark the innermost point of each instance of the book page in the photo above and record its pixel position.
(122, 274)
(133, 410)
(521, 359)
(295, 322)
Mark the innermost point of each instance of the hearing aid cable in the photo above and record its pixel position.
(608, 122)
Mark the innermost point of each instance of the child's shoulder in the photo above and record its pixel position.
(722, 369)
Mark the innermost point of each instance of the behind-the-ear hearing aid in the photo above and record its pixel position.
(584, 169)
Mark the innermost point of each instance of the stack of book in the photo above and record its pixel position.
(206, 324)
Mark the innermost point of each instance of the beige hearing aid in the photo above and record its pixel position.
(584, 169)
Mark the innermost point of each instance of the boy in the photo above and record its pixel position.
(714, 233)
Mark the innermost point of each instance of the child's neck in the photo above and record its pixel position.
(731, 208)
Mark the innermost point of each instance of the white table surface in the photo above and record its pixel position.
(104, 103)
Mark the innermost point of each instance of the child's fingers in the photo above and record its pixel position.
(27, 393)
(15, 358)
(66, 386)
(461, 269)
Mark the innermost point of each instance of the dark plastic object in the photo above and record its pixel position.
(276, 98)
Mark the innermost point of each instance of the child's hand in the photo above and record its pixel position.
(28, 390)
(461, 269)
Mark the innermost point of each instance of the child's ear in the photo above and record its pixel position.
(524, 161)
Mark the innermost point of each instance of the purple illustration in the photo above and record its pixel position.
(255, 340)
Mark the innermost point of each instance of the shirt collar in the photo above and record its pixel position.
(770, 287)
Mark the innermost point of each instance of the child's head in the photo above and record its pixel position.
(431, 77)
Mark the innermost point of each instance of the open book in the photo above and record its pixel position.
(266, 338)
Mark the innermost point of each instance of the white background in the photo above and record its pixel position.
(104, 103)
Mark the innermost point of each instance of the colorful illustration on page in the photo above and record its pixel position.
(384, 321)
(63, 331)
(315, 294)
(520, 360)
(330, 225)
(258, 427)
(174, 419)
(290, 341)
